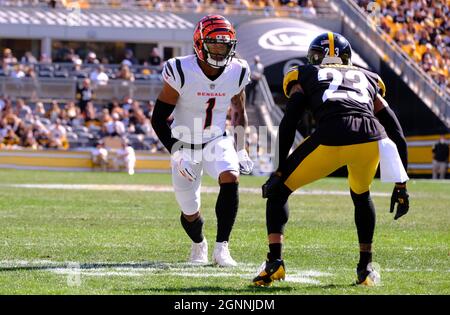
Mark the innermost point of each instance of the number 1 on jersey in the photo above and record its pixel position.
(211, 104)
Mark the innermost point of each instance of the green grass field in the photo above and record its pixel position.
(83, 241)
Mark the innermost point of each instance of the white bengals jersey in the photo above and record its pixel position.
(201, 111)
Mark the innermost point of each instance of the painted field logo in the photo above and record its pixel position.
(287, 38)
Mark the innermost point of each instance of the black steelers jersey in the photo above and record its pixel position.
(341, 99)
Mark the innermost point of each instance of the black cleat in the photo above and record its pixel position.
(270, 271)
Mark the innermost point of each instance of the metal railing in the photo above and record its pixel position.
(51, 88)
(437, 99)
(272, 113)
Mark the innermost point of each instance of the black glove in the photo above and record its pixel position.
(400, 196)
(271, 186)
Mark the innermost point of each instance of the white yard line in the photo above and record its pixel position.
(167, 188)
(136, 269)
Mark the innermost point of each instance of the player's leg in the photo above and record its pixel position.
(435, 169)
(362, 164)
(130, 163)
(309, 162)
(221, 162)
(442, 170)
(187, 195)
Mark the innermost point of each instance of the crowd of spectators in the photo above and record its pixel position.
(60, 125)
(422, 29)
(68, 63)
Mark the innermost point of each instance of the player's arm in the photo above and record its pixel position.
(239, 122)
(394, 130)
(164, 106)
(288, 124)
(239, 118)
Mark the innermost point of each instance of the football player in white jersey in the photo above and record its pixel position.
(199, 89)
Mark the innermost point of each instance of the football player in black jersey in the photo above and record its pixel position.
(354, 123)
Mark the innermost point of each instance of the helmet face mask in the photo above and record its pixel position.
(319, 51)
(215, 41)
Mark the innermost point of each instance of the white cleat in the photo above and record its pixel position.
(222, 255)
(199, 253)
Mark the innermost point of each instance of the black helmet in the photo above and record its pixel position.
(330, 48)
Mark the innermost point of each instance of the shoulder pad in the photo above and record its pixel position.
(290, 78)
(382, 86)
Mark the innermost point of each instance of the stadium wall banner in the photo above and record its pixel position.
(76, 160)
(280, 43)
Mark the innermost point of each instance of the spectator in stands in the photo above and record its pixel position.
(99, 77)
(91, 58)
(28, 59)
(10, 120)
(127, 103)
(22, 110)
(100, 156)
(11, 140)
(309, 9)
(8, 58)
(84, 95)
(125, 73)
(91, 115)
(28, 141)
(148, 109)
(256, 73)
(58, 138)
(440, 158)
(71, 112)
(17, 71)
(155, 59)
(129, 58)
(119, 126)
(39, 110)
(45, 59)
(54, 113)
(125, 157)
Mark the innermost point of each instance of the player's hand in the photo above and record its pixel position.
(245, 163)
(271, 186)
(185, 165)
(400, 196)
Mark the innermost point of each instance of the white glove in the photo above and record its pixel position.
(185, 165)
(245, 164)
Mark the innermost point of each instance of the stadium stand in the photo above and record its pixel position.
(305, 8)
(422, 29)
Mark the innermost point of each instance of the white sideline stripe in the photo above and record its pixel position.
(245, 271)
(166, 188)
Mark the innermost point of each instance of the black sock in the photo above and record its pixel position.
(365, 216)
(275, 252)
(364, 259)
(193, 229)
(226, 210)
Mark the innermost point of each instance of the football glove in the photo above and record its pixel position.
(245, 163)
(400, 196)
(272, 185)
(185, 165)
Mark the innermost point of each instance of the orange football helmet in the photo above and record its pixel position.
(210, 31)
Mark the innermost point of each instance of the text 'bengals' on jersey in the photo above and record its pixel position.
(201, 111)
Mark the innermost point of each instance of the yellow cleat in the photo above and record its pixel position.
(368, 277)
(269, 272)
